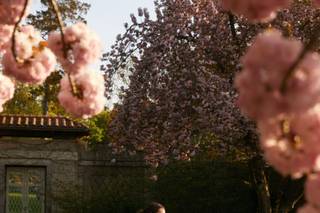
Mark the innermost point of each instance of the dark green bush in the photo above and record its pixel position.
(118, 195)
(215, 186)
(199, 186)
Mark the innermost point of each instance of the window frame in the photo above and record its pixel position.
(26, 167)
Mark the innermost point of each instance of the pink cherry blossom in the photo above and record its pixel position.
(5, 36)
(26, 38)
(11, 10)
(312, 189)
(35, 61)
(84, 47)
(255, 10)
(90, 85)
(316, 3)
(264, 67)
(291, 145)
(34, 70)
(6, 90)
(308, 209)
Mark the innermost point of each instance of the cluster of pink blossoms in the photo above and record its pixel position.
(258, 10)
(287, 110)
(82, 92)
(312, 194)
(291, 143)
(279, 87)
(83, 47)
(92, 100)
(29, 59)
(6, 89)
(5, 35)
(34, 62)
(11, 10)
(265, 66)
(255, 10)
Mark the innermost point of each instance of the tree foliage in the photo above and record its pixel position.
(71, 10)
(25, 101)
(181, 68)
(43, 97)
(180, 97)
(99, 128)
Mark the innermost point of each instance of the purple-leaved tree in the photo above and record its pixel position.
(176, 73)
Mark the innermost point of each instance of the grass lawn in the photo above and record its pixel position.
(15, 203)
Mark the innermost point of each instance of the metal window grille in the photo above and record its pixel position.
(25, 190)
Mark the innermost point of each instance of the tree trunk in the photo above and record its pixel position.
(260, 182)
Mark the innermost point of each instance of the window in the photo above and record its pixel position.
(25, 189)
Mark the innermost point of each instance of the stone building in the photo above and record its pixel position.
(40, 155)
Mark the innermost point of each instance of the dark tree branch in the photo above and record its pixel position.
(56, 10)
(233, 29)
(16, 26)
(65, 47)
(310, 45)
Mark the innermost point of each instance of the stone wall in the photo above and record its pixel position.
(67, 163)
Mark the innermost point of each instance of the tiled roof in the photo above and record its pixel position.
(42, 126)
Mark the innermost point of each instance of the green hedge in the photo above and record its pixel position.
(218, 186)
(215, 186)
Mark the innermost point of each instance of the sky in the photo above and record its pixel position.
(107, 17)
